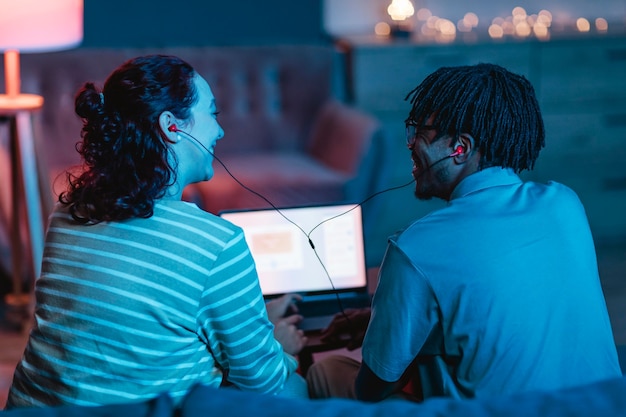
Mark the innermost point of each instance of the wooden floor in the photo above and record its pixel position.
(611, 262)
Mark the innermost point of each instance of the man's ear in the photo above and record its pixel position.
(463, 148)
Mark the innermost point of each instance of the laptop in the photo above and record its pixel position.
(329, 278)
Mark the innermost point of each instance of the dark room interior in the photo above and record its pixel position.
(312, 102)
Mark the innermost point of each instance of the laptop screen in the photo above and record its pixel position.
(285, 260)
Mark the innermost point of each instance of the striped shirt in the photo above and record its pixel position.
(127, 310)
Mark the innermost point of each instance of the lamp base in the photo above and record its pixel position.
(9, 103)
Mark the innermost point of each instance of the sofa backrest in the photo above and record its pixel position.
(268, 96)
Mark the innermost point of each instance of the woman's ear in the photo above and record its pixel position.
(166, 121)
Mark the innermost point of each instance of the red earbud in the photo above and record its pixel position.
(457, 151)
(172, 128)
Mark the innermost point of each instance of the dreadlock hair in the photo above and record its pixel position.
(498, 108)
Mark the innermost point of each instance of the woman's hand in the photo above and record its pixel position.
(282, 312)
(278, 307)
(288, 335)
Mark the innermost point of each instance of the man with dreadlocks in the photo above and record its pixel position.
(496, 293)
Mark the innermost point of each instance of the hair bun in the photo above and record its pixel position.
(89, 102)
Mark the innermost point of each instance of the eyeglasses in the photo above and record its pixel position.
(413, 130)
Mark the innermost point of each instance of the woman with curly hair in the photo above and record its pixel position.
(140, 292)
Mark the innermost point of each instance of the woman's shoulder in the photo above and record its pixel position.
(171, 217)
(191, 214)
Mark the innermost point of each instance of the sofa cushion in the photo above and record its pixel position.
(282, 178)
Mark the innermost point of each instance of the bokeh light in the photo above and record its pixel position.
(519, 24)
(423, 14)
(602, 25)
(583, 24)
(541, 31)
(382, 29)
(495, 31)
(400, 9)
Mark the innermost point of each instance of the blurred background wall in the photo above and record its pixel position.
(159, 23)
(576, 76)
(154, 23)
(579, 77)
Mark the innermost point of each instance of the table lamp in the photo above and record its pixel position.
(34, 26)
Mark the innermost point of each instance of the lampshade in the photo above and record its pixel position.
(35, 26)
(40, 25)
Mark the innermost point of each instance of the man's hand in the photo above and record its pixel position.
(288, 335)
(278, 307)
(353, 323)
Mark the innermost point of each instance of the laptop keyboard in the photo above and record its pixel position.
(330, 306)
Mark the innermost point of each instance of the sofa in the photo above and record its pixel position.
(288, 135)
(600, 399)
(289, 139)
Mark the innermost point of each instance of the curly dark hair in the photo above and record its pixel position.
(126, 160)
(498, 108)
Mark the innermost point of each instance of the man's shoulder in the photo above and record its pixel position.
(479, 207)
(551, 191)
(431, 225)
